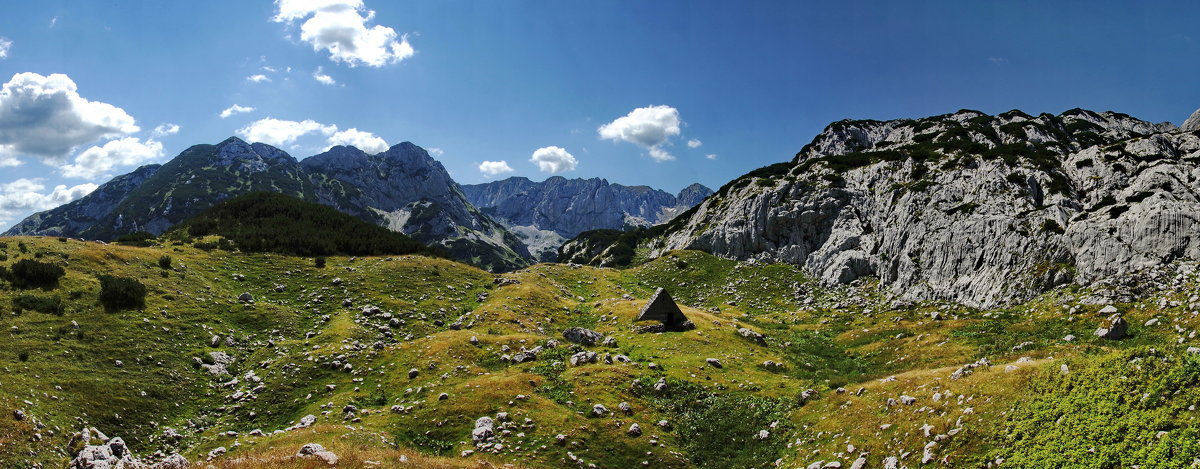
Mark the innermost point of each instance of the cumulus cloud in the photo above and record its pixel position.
(165, 129)
(711, 156)
(364, 141)
(25, 196)
(258, 78)
(694, 143)
(235, 109)
(44, 116)
(280, 132)
(322, 78)
(98, 160)
(494, 168)
(435, 151)
(554, 160)
(340, 27)
(8, 156)
(5, 45)
(650, 127)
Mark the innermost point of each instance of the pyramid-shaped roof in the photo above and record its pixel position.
(663, 309)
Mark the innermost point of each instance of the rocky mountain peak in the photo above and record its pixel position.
(1192, 123)
(253, 157)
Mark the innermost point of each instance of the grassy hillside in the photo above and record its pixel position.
(303, 345)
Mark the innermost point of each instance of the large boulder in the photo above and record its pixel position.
(582, 336)
(1113, 328)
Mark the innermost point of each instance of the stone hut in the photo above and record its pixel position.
(662, 308)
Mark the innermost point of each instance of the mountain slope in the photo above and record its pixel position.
(548, 213)
(72, 218)
(411, 192)
(271, 222)
(378, 189)
(968, 207)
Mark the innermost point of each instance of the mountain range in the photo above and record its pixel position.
(545, 214)
(403, 189)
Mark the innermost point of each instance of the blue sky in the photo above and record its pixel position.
(612, 89)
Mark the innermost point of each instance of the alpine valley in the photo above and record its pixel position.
(961, 290)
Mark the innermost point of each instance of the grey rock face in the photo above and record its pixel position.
(1192, 124)
(979, 209)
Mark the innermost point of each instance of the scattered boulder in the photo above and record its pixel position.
(581, 336)
(752, 335)
(599, 410)
(246, 298)
(316, 451)
(485, 428)
(1113, 328)
(713, 362)
(635, 430)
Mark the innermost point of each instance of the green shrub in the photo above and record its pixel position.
(319, 262)
(121, 292)
(28, 273)
(42, 304)
(1051, 226)
(140, 238)
(164, 262)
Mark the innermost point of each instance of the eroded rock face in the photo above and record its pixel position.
(983, 210)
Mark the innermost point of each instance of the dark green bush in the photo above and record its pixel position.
(140, 238)
(28, 273)
(121, 292)
(319, 262)
(42, 304)
(164, 262)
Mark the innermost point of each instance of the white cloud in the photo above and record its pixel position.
(98, 160)
(282, 132)
(435, 151)
(5, 45)
(25, 196)
(8, 156)
(258, 78)
(321, 77)
(554, 160)
(340, 27)
(650, 127)
(165, 129)
(494, 168)
(45, 116)
(267, 68)
(659, 154)
(235, 109)
(364, 141)
(694, 143)
(711, 156)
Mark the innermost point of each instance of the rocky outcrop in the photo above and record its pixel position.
(545, 214)
(403, 189)
(1192, 123)
(979, 209)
